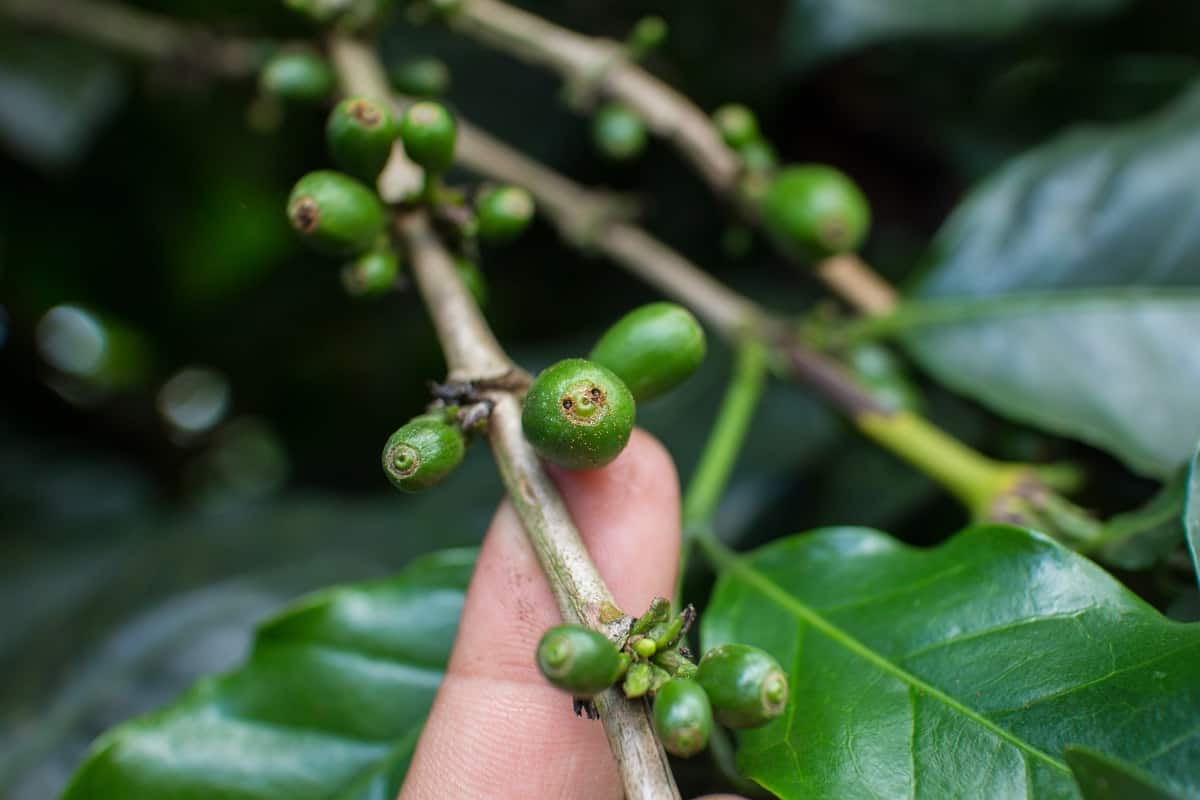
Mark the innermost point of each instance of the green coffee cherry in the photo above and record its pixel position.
(428, 131)
(682, 717)
(579, 660)
(758, 156)
(422, 453)
(297, 75)
(372, 273)
(736, 124)
(360, 133)
(815, 210)
(652, 349)
(648, 34)
(472, 277)
(746, 685)
(335, 213)
(578, 415)
(618, 132)
(348, 14)
(421, 77)
(645, 647)
(503, 213)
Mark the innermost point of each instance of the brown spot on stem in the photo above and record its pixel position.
(609, 613)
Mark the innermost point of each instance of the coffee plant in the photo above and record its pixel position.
(1048, 648)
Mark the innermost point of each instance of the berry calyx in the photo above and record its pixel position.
(428, 131)
(618, 132)
(422, 453)
(736, 124)
(652, 349)
(814, 210)
(297, 75)
(746, 685)
(372, 273)
(503, 213)
(360, 133)
(578, 414)
(579, 660)
(335, 213)
(682, 717)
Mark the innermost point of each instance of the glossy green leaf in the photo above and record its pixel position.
(818, 29)
(1113, 368)
(1191, 513)
(1103, 777)
(959, 671)
(1108, 208)
(329, 704)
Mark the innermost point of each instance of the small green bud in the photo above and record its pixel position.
(428, 131)
(674, 662)
(578, 415)
(645, 647)
(659, 611)
(421, 77)
(618, 132)
(746, 685)
(372, 273)
(335, 213)
(503, 213)
(300, 76)
(883, 376)
(668, 635)
(360, 133)
(736, 124)
(758, 156)
(422, 453)
(472, 277)
(638, 680)
(648, 34)
(579, 660)
(652, 349)
(815, 210)
(682, 717)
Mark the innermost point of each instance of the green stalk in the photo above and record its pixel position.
(720, 454)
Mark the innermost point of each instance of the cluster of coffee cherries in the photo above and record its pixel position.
(738, 685)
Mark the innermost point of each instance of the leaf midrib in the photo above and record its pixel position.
(780, 595)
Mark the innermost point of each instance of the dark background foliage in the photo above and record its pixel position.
(136, 558)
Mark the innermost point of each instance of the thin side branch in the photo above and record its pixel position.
(668, 113)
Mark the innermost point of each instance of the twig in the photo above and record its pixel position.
(473, 354)
(668, 113)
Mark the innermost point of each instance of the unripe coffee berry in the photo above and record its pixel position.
(746, 685)
(736, 124)
(374, 272)
(335, 213)
(422, 453)
(503, 213)
(815, 210)
(652, 349)
(421, 77)
(579, 660)
(360, 133)
(578, 415)
(618, 132)
(297, 75)
(682, 717)
(428, 131)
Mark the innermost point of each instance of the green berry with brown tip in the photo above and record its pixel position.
(652, 349)
(814, 210)
(683, 717)
(503, 213)
(618, 132)
(746, 685)
(737, 125)
(428, 131)
(374, 272)
(335, 213)
(360, 133)
(422, 453)
(579, 660)
(299, 76)
(578, 414)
